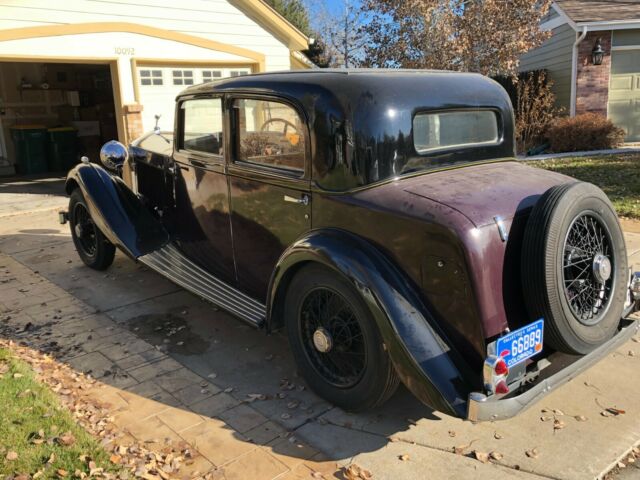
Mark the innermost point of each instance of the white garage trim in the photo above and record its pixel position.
(107, 27)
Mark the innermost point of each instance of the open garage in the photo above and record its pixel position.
(86, 75)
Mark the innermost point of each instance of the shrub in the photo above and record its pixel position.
(535, 109)
(583, 132)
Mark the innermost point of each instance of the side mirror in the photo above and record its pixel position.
(113, 154)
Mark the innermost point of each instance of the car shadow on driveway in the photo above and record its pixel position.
(134, 330)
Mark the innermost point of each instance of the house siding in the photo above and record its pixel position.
(626, 38)
(554, 55)
(216, 20)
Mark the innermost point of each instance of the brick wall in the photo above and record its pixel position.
(133, 121)
(592, 84)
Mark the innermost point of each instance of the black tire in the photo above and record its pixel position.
(569, 227)
(374, 379)
(92, 246)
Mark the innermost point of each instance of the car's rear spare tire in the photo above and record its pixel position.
(336, 342)
(574, 267)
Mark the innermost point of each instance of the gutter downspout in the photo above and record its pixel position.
(574, 71)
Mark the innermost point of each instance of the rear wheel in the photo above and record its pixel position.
(92, 246)
(574, 267)
(336, 342)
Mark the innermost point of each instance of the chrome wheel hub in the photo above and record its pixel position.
(322, 340)
(78, 230)
(601, 268)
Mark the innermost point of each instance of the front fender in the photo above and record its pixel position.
(117, 211)
(422, 356)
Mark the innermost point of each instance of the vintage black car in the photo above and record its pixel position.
(381, 219)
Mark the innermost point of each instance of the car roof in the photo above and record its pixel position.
(324, 76)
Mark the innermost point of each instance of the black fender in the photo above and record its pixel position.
(424, 359)
(117, 211)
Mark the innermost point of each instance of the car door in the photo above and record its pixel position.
(269, 185)
(202, 222)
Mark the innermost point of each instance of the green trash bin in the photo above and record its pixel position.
(31, 148)
(63, 148)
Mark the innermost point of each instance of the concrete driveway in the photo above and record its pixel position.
(138, 332)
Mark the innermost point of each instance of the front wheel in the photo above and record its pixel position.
(336, 342)
(92, 246)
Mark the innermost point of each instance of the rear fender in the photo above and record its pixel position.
(117, 211)
(423, 358)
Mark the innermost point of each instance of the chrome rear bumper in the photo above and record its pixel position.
(482, 408)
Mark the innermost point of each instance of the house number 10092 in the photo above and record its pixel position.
(125, 50)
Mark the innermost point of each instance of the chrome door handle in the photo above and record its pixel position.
(304, 200)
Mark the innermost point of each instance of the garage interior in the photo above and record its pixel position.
(51, 114)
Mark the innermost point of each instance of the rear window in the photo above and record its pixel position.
(434, 131)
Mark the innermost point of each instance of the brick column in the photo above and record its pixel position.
(592, 83)
(133, 121)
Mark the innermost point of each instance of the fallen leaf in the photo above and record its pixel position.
(67, 439)
(62, 472)
(580, 418)
(228, 390)
(546, 418)
(460, 449)
(404, 457)
(452, 433)
(558, 424)
(17, 375)
(285, 416)
(497, 436)
(558, 412)
(481, 456)
(497, 456)
(11, 455)
(52, 459)
(356, 472)
(115, 458)
(533, 453)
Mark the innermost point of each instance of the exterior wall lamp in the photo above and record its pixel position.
(597, 54)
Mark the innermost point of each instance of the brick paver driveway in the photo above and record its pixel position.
(183, 369)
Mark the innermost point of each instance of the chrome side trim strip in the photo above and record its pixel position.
(174, 265)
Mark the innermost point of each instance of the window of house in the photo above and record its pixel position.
(202, 126)
(210, 75)
(269, 134)
(151, 77)
(434, 131)
(238, 73)
(183, 77)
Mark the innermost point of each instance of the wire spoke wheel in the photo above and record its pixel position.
(332, 337)
(85, 230)
(588, 272)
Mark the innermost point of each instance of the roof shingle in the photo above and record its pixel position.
(600, 10)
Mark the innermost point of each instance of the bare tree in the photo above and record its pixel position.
(340, 30)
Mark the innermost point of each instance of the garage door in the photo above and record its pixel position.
(159, 86)
(624, 92)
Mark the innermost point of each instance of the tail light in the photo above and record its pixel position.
(495, 372)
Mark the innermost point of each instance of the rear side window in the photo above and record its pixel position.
(270, 134)
(434, 131)
(202, 126)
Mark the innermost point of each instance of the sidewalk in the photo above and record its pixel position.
(174, 367)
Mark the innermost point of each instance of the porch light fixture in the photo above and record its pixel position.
(597, 54)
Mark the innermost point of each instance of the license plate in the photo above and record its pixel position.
(521, 344)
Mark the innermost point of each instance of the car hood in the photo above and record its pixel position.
(483, 192)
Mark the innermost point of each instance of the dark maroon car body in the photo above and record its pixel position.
(432, 241)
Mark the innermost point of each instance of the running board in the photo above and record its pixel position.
(173, 264)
